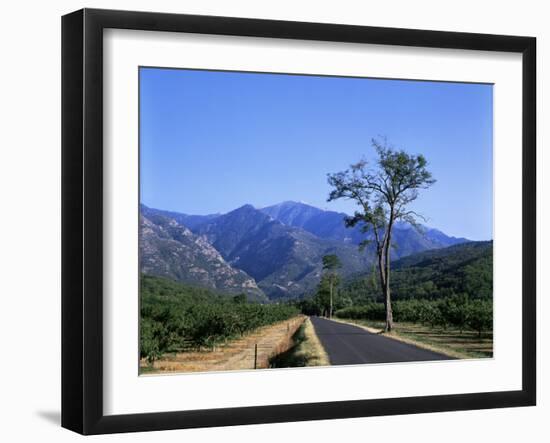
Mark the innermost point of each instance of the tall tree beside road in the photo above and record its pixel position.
(331, 263)
(383, 194)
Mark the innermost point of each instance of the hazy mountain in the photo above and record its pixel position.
(169, 249)
(285, 261)
(330, 225)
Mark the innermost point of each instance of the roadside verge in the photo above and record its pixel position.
(307, 350)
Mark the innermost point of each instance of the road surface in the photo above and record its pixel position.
(350, 345)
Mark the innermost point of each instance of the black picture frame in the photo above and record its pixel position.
(82, 215)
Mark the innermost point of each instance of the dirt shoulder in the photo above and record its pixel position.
(313, 348)
(306, 351)
(239, 354)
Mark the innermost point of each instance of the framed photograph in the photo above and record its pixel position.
(269, 221)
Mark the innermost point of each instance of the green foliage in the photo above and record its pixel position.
(371, 311)
(330, 280)
(310, 306)
(383, 192)
(480, 316)
(322, 297)
(151, 336)
(319, 304)
(239, 298)
(458, 311)
(177, 317)
(331, 262)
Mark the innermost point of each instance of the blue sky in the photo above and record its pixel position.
(213, 141)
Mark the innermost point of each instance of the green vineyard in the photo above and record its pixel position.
(177, 317)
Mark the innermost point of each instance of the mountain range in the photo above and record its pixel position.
(330, 225)
(270, 253)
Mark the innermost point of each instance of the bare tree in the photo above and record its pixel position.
(383, 194)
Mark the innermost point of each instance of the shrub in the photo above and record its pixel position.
(370, 311)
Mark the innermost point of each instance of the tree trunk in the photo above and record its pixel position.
(387, 292)
(382, 273)
(389, 311)
(330, 311)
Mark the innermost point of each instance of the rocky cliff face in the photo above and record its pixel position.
(169, 249)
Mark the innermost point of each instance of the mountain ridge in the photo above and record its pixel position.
(286, 261)
(280, 247)
(169, 249)
(330, 224)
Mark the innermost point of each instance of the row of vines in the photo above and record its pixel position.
(176, 317)
(458, 311)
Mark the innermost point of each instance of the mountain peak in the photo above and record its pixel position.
(292, 213)
(248, 212)
(245, 207)
(292, 203)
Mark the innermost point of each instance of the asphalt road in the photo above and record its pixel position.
(351, 345)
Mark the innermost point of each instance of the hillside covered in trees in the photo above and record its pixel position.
(461, 269)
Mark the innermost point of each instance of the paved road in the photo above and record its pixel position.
(350, 345)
